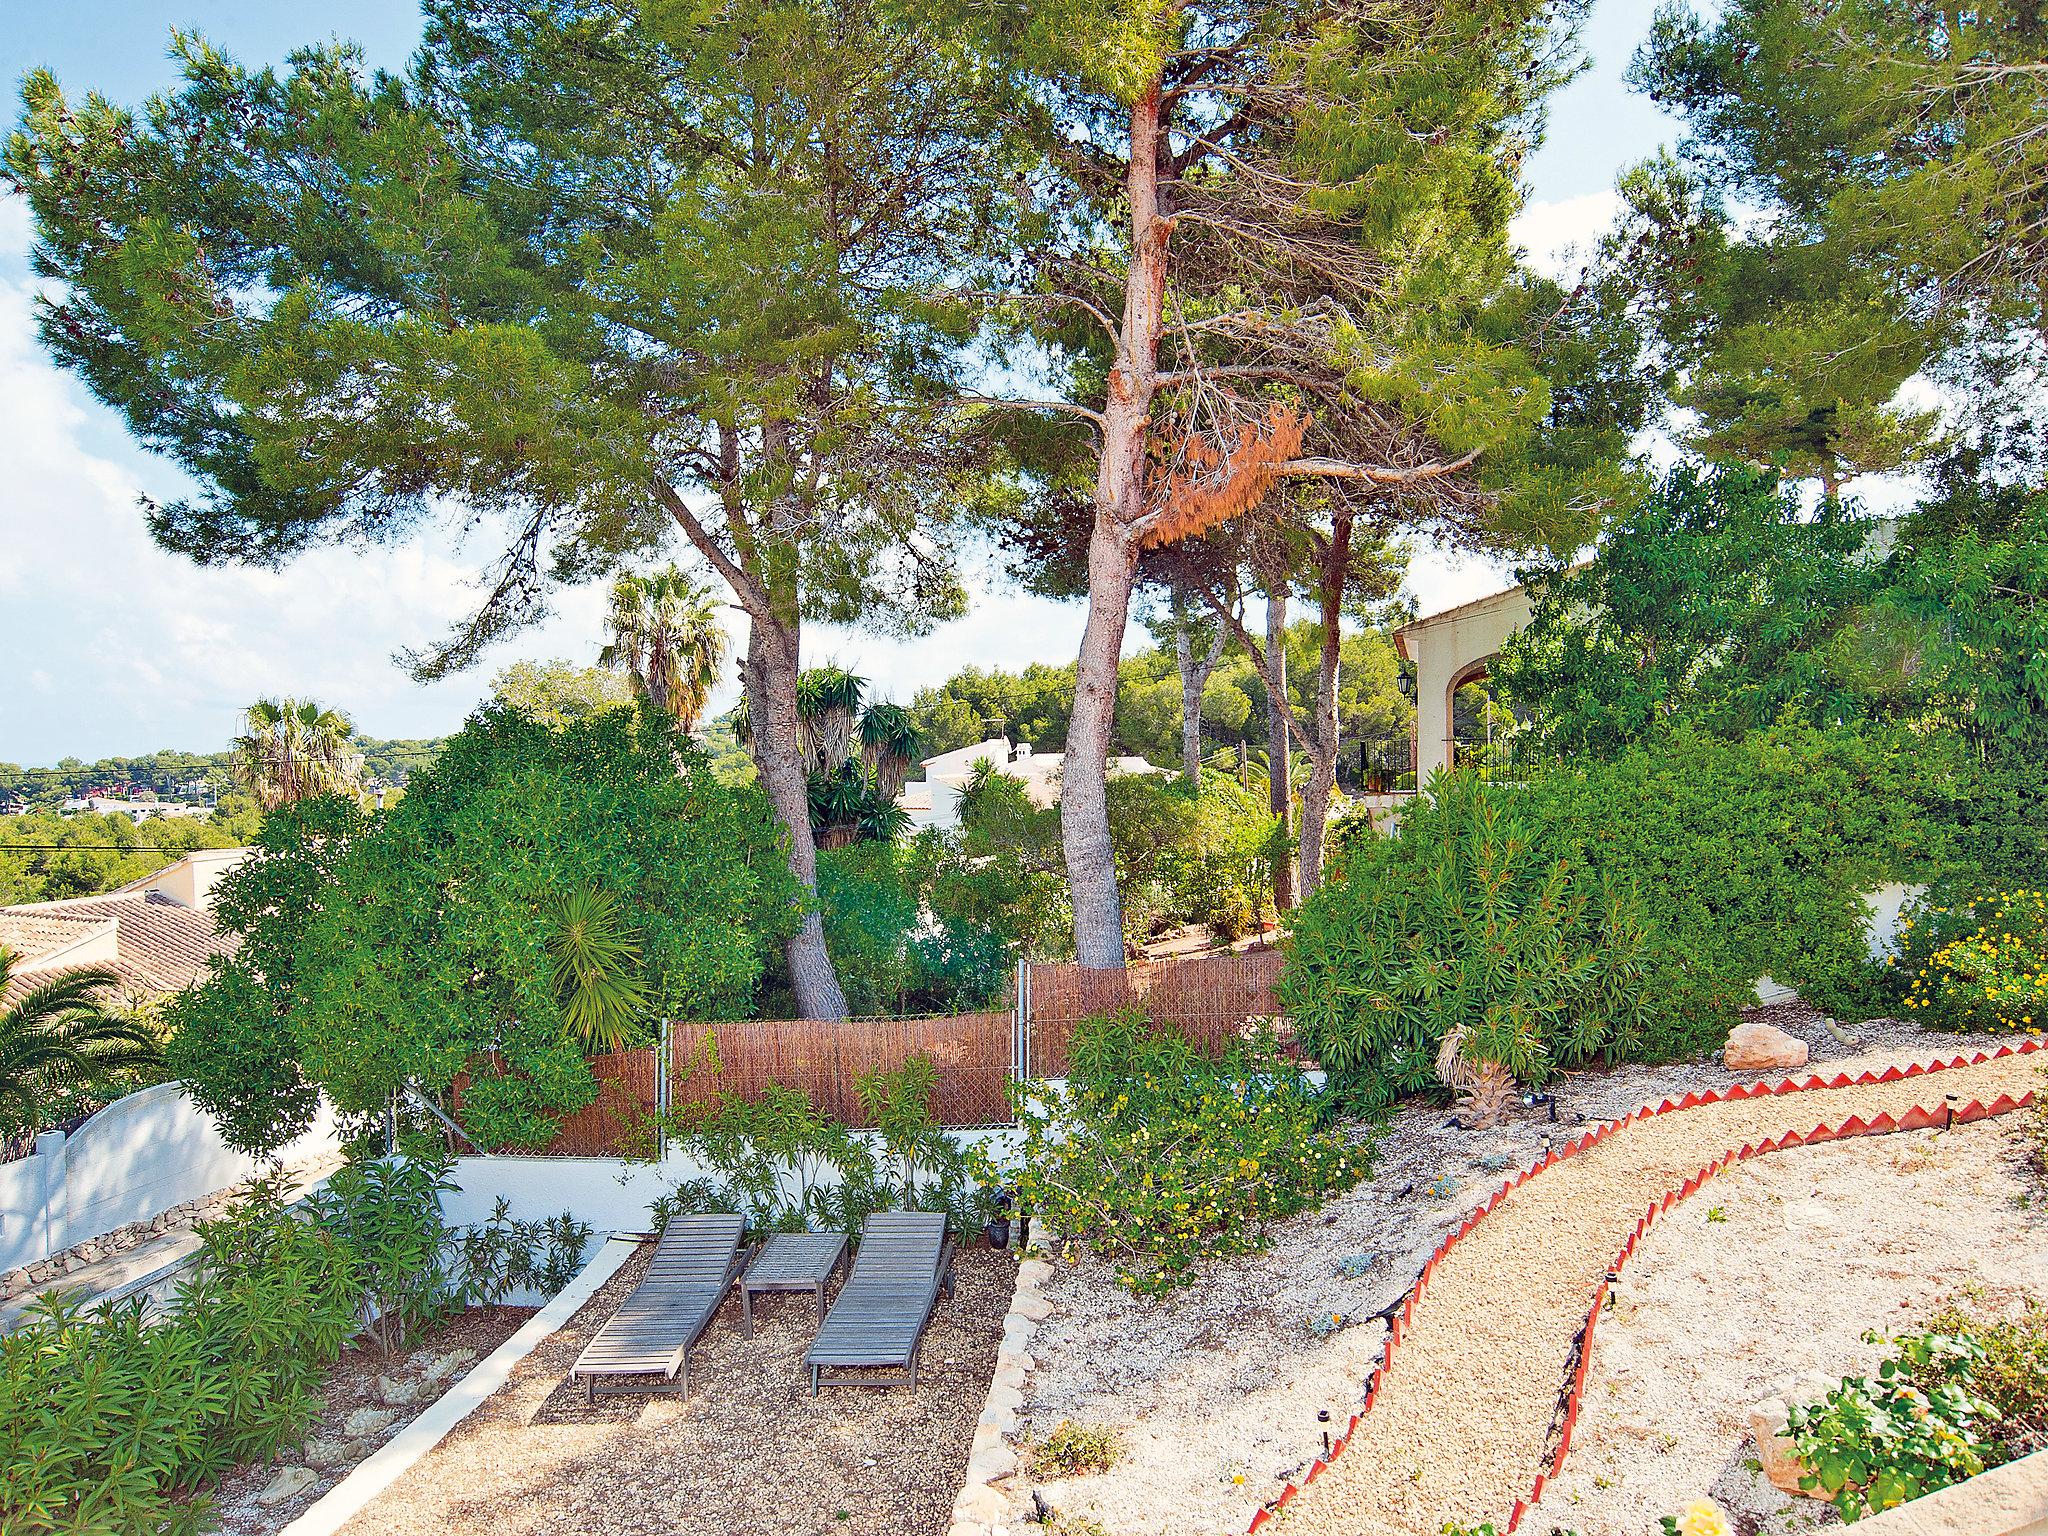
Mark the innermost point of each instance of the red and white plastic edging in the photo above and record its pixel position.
(1917, 1118)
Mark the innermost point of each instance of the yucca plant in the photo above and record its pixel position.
(596, 969)
(827, 705)
(59, 1034)
(889, 743)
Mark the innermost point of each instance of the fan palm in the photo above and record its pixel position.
(59, 1033)
(292, 749)
(665, 635)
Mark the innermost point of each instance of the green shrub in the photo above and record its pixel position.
(1462, 919)
(1160, 1157)
(412, 946)
(2007, 1368)
(387, 1211)
(113, 1427)
(494, 1258)
(1075, 1450)
(1980, 964)
(1873, 1445)
(892, 957)
(1751, 858)
(789, 1165)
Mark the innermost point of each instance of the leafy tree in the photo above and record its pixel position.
(1714, 598)
(294, 749)
(1893, 177)
(587, 274)
(559, 692)
(59, 1033)
(1282, 254)
(665, 636)
(45, 857)
(458, 933)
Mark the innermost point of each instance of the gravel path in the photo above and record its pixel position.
(750, 1453)
(1463, 1421)
(1215, 1390)
(1774, 1271)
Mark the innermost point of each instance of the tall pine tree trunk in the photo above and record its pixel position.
(771, 675)
(1322, 779)
(1194, 680)
(1113, 560)
(1278, 797)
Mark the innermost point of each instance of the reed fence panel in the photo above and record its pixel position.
(1207, 997)
(972, 1052)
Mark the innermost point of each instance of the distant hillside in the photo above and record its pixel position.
(194, 777)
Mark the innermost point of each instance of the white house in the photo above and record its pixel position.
(934, 800)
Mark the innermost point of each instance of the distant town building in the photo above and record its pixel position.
(934, 800)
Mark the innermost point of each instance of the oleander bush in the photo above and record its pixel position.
(1467, 919)
(110, 1426)
(1160, 1157)
(1977, 963)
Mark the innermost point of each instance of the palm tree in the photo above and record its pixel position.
(666, 636)
(293, 749)
(59, 1033)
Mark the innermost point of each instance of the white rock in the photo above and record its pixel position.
(365, 1422)
(1034, 1307)
(1032, 1274)
(289, 1483)
(979, 1505)
(1781, 1466)
(441, 1367)
(987, 1466)
(325, 1454)
(966, 1528)
(1760, 1047)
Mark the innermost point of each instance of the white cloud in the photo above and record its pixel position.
(1559, 235)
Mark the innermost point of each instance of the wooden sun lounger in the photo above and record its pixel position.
(879, 1319)
(648, 1339)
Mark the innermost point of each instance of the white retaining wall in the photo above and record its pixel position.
(138, 1157)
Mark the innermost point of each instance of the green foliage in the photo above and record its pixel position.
(1182, 855)
(1979, 964)
(1074, 1450)
(493, 1259)
(595, 963)
(65, 1043)
(2006, 1367)
(1161, 1158)
(893, 958)
(46, 857)
(1469, 917)
(1750, 857)
(387, 1211)
(1711, 598)
(790, 1166)
(113, 1427)
(414, 946)
(1873, 1445)
(558, 692)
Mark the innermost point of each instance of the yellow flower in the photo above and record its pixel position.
(1703, 1517)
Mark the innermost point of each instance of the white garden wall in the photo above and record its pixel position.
(137, 1158)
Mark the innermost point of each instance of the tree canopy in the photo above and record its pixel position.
(429, 940)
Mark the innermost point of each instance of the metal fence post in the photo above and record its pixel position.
(661, 1089)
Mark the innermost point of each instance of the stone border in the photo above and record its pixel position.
(2011, 1500)
(1918, 1118)
(984, 1505)
(341, 1503)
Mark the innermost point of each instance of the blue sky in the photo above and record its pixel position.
(112, 647)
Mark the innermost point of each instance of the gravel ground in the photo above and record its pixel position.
(1216, 1390)
(1809, 1252)
(446, 1353)
(750, 1453)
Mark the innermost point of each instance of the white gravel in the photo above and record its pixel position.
(1809, 1253)
(1215, 1390)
